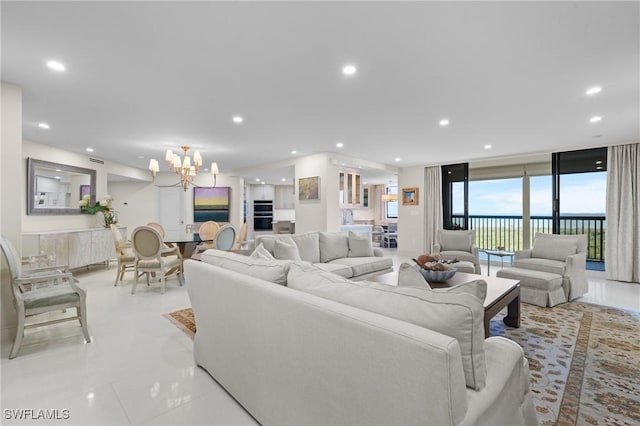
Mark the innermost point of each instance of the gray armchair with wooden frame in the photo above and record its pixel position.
(43, 290)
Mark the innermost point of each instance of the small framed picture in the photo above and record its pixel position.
(409, 196)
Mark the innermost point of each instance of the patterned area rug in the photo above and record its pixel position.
(584, 361)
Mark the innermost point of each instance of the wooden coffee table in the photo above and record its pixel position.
(501, 293)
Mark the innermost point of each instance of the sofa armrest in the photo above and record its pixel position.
(576, 262)
(435, 248)
(576, 282)
(522, 254)
(377, 252)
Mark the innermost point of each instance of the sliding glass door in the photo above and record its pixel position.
(455, 196)
(579, 196)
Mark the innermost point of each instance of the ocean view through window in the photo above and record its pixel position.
(496, 210)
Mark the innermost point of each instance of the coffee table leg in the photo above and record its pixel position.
(512, 319)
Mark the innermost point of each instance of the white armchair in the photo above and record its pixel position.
(459, 245)
(564, 255)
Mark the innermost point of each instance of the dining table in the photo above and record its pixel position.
(186, 241)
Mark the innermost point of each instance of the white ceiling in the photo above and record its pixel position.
(144, 77)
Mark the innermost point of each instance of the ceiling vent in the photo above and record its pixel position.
(95, 160)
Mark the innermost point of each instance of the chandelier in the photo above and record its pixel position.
(183, 167)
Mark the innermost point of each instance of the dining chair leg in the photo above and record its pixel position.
(135, 282)
(162, 281)
(19, 335)
(81, 311)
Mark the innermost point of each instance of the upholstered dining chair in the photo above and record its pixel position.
(158, 227)
(150, 257)
(126, 257)
(42, 290)
(225, 238)
(207, 233)
(168, 249)
(241, 239)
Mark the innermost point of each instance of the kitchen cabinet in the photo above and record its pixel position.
(262, 192)
(285, 198)
(350, 189)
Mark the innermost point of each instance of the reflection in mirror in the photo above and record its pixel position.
(57, 188)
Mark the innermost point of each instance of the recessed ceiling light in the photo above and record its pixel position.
(141, 157)
(257, 179)
(593, 90)
(595, 119)
(364, 183)
(56, 66)
(283, 179)
(339, 144)
(398, 159)
(57, 177)
(488, 146)
(237, 119)
(294, 152)
(262, 183)
(596, 136)
(349, 70)
(58, 170)
(89, 150)
(43, 125)
(444, 122)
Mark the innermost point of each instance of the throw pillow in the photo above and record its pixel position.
(455, 240)
(360, 245)
(286, 249)
(274, 271)
(458, 315)
(333, 245)
(308, 246)
(556, 249)
(261, 253)
(410, 277)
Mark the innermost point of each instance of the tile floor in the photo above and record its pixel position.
(139, 368)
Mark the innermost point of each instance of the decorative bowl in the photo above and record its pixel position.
(437, 276)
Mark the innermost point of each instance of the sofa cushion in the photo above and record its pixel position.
(360, 245)
(542, 265)
(364, 265)
(274, 271)
(410, 276)
(465, 256)
(286, 249)
(555, 249)
(333, 245)
(336, 268)
(455, 240)
(308, 246)
(580, 239)
(261, 253)
(458, 315)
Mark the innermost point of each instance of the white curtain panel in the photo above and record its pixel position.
(622, 252)
(433, 201)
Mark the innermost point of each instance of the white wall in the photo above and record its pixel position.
(411, 219)
(13, 199)
(323, 214)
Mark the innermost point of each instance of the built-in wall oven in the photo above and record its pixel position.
(262, 215)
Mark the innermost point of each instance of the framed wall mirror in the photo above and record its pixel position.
(54, 188)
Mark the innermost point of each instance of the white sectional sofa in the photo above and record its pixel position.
(348, 254)
(320, 349)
